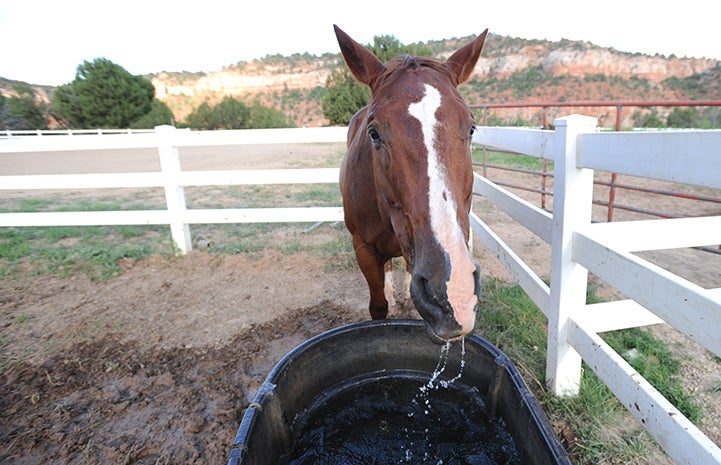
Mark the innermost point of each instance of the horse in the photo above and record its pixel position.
(406, 183)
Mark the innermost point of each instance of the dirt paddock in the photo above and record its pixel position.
(156, 365)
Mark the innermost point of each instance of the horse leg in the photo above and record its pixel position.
(406, 291)
(372, 268)
(389, 287)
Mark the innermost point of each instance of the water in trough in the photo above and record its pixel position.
(403, 417)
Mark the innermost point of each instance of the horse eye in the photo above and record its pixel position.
(375, 137)
(472, 131)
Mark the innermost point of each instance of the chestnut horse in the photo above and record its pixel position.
(407, 179)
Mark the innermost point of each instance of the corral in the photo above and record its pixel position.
(173, 347)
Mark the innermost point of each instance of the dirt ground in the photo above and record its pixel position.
(157, 365)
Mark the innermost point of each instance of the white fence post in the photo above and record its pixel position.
(572, 203)
(174, 192)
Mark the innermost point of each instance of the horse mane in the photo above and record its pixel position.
(398, 65)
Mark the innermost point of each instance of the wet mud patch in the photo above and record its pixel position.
(112, 401)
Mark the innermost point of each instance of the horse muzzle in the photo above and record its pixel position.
(447, 319)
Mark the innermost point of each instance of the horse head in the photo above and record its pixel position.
(410, 155)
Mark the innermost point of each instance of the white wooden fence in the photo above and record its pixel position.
(606, 249)
(171, 178)
(578, 246)
(10, 133)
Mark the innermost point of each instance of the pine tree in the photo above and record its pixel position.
(103, 95)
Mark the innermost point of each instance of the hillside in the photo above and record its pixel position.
(510, 70)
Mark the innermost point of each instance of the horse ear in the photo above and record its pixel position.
(363, 64)
(464, 60)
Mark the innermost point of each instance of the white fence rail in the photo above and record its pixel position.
(171, 178)
(579, 247)
(10, 133)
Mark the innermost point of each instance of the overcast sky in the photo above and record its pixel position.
(43, 41)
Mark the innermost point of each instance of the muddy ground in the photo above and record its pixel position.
(156, 365)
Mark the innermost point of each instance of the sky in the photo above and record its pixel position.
(44, 41)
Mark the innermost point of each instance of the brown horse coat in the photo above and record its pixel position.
(407, 180)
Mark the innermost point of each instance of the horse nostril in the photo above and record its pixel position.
(427, 288)
(477, 280)
(435, 298)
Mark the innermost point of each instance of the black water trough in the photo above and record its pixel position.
(335, 364)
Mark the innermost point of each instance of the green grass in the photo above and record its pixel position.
(96, 250)
(515, 160)
(53, 204)
(307, 195)
(652, 358)
(288, 239)
(66, 251)
(69, 250)
(607, 432)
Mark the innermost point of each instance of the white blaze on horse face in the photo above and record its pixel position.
(443, 214)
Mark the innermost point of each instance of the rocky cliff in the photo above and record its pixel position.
(592, 61)
(511, 69)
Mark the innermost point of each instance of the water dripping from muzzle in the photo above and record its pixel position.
(422, 398)
(434, 383)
